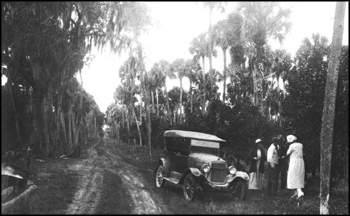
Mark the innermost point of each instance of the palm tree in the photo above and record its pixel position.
(199, 47)
(211, 6)
(222, 36)
(179, 66)
(261, 21)
(282, 64)
(164, 67)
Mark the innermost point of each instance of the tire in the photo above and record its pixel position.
(190, 187)
(241, 190)
(159, 176)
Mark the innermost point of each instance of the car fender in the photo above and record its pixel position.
(240, 174)
(196, 172)
(165, 163)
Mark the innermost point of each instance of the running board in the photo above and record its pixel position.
(172, 180)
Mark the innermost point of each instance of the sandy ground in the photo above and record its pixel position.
(90, 172)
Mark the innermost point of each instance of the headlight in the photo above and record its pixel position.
(206, 168)
(232, 170)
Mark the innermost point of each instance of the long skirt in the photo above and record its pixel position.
(296, 173)
(256, 180)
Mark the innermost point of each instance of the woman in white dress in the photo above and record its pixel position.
(256, 171)
(296, 170)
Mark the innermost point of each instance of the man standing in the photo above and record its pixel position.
(273, 167)
(283, 161)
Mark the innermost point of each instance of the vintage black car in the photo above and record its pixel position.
(192, 159)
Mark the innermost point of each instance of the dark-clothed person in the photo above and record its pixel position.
(273, 167)
(283, 162)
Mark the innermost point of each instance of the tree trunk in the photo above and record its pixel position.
(157, 97)
(210, 48)
(12, 96)
(147, 95)
(167, 102)
(137, 125)
(127, 123)
(225, 71)
(70, 146)
(63, 125)
(46, 128)
(204, 90)
(255, 97)
(279, 101)
(191, 96)
(118, 128)
(329, 108)
(180, 102)
(12, 72)
(152, 96)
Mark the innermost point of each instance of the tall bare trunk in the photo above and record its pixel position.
(152, 96)
(70, 146)
(204, 90)
(225, 71)
(191, 96)
(128, 123)
(211, 48)
(329, 108)
(168, 118)
(63, 125)
(279, 101)
(157, 97)
(137, 125)
(147, 95)
(12, 71)
(180, 102)
(118, 130)
(46, 128)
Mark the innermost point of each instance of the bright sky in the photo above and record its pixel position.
(180, 22)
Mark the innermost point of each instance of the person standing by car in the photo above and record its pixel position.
(273, 167)
(296, 170)
(283, 161)
(256, 171)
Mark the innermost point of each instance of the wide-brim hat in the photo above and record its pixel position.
(291, 138)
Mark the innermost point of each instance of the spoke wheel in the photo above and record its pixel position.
(190, 187)
(159, 176)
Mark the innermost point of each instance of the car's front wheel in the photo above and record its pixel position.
(190, 187)
(241, 189)
(159, 176)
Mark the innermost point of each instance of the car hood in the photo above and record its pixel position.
(203, 158)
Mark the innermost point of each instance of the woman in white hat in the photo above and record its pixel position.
(296, 170)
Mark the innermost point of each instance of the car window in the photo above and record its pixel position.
(205, 147)
(203, 143)
(177, 145)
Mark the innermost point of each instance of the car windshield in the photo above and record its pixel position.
(202, 146)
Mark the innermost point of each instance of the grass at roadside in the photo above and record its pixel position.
(218, 203)
(50, 196)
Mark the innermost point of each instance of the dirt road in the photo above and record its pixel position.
(102, 157)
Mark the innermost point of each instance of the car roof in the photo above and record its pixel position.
(192, 135)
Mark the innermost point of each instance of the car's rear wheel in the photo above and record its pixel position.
(159, 176)
(241, 189)
(190, 187)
